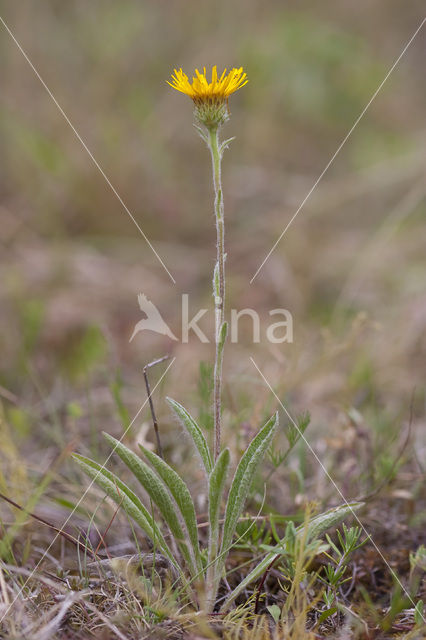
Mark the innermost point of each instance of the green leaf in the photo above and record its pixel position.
(243, 479)
(217, 482)
(418, 613)
(216, 281)
(295, 431)
(323, 521)
(316, 527)
(223, 332)
(158, 493)
(275, 612)
(180, 493)
(124, 497)
(225, 145)
(194, 431)
(205, 391)
(326, 614)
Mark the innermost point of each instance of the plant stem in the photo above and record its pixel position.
(151, 404)
(218, 291)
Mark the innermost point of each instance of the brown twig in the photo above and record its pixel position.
(151, 405)
(262, 582)
(64, 534)
(102, 535)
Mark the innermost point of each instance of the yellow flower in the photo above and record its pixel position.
(201, 90)
(210, 98)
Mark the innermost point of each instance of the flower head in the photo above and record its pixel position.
(210, 98)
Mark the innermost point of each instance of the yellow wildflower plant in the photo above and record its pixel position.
(210, 98)
(211, 110)
(199, 571)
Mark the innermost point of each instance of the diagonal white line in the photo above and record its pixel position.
(341, 145)
(301, 434)
(86, 148)
(83, 496)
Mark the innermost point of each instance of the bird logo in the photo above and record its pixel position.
(153, 320)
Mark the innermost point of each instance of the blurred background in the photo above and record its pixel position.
(350, 269)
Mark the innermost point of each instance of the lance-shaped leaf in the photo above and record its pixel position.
(243, 479)
(217, 481)
(216, 281)
(225, 145)
(194, 431)
(223, 332)
(158, 493)
(316, 526)
(180, 493)
(125, 498)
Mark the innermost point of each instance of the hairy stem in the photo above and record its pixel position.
(219, 289)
